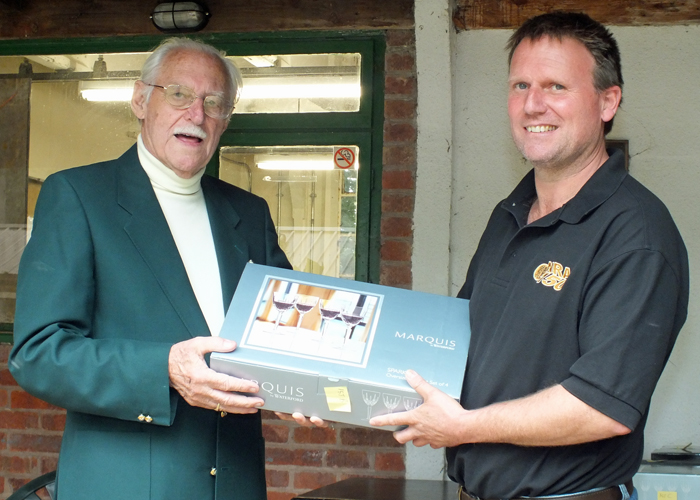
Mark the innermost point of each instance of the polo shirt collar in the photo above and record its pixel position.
(602, 184)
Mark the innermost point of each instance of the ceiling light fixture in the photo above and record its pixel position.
(296, 164)
(300, 91)
(180, 17)
(106, 90)
(290, 178)
(261, 61)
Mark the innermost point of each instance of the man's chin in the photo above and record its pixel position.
(541, 154)
(187, 171)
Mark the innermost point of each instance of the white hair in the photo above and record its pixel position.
(154, 63)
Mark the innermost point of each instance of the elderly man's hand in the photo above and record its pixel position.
(436, 422)
(201, 386)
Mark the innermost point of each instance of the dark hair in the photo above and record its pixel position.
(578, 26)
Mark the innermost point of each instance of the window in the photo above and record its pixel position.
(312, 194)
(305, 96)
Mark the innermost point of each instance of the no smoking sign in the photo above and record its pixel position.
(344, 158)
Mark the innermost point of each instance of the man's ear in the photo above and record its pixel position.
(610, 101)
(138, 100)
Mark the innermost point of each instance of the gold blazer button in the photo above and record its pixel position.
(141, 417)
(213, 471)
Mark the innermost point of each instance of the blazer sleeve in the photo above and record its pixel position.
(56, 355)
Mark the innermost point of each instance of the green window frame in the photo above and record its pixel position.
(363, 128)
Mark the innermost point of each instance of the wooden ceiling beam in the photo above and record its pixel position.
(73, 18)
(15, 5)
(509, 14)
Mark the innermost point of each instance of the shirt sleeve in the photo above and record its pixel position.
(626, 333)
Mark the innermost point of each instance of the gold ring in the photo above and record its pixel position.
(218, 407)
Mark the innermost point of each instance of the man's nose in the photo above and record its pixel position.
(535, 102)
(196, 111)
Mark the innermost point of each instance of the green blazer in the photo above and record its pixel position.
(102, 296)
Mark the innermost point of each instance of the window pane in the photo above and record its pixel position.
(12, 241)
(67, 130)
(306, 188)
(68, 126)
(300, 83)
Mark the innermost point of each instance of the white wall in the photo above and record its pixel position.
(434, 179)
(659, 116)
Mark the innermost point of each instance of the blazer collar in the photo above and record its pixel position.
(150, 234)
(231, 246)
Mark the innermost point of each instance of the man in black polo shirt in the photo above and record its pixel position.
(578, 290)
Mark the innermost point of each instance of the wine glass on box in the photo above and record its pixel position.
(351, 316)
(329, 311)
(283, 302)
(370, 398)
(411, 403)
(391, 401)
(304, 304)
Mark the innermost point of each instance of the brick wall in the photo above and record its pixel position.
(30, 432)
(399, 159)
(298, 459)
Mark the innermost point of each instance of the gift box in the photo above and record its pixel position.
(339, 349)
(667, 481)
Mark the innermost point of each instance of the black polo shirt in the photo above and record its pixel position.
(591, 297)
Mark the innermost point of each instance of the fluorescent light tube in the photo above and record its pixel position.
(296, 165)
(300, 91)
(106, 90)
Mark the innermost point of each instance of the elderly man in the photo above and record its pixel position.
(578, 290)
(122, 291)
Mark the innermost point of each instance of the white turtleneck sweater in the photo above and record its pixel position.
(182, 202)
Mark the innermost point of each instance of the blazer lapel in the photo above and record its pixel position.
(231, 246)
(150, 234)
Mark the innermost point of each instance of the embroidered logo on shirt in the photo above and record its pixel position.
(552, 274)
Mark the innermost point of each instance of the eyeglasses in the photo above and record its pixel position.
(181, 97)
